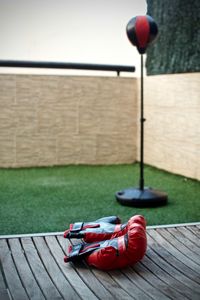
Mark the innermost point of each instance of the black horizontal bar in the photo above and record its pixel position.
(62, 65)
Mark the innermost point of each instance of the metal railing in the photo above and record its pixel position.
(63, 65)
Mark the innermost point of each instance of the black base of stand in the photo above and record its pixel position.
(147, 197)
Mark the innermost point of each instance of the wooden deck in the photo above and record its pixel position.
(32, 267)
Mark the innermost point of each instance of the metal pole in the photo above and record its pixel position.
(141, 183)
(65, 65)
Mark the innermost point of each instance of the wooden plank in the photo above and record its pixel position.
(39, 270)
(4, 295)
(56, 275)
(156, 243)
(171, 275)
(187, 248)
(137, 278)
(155, 281)
(95, 285)
(68, 270)
(160, 238)
(29, 282)
(13, 280)
(184, 254)
(195, 230)
(110, 284)
(166, 272)
(129, 286)
(162, 280)
(87, 276)
(191, 236)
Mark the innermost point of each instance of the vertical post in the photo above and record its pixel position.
(141, 30)
(141, 183)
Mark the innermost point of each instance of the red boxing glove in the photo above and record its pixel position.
(124, 250)
(117, 252)
(100, 230)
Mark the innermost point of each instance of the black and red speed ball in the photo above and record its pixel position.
(141, 31)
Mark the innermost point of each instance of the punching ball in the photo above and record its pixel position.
(141, 31)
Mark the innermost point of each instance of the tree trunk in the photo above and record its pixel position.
(177, 48)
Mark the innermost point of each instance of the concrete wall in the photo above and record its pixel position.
(58, 120)
(172, 129)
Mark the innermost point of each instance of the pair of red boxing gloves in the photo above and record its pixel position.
(106, 243)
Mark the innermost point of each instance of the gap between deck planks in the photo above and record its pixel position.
(32, 267)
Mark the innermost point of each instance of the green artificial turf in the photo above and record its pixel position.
(48, 199)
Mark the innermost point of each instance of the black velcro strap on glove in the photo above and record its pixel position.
(79, 251)
(76, 227)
